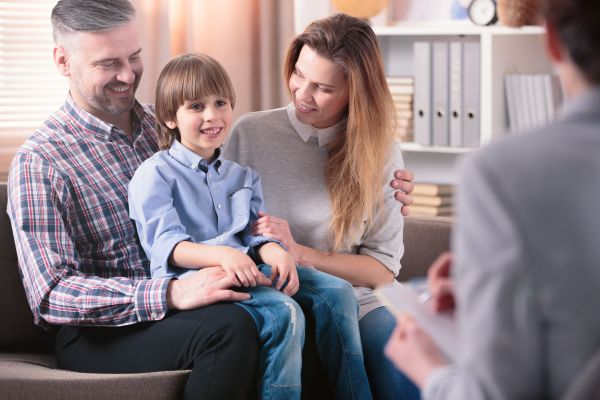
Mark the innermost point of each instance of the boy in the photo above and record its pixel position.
(193, 209)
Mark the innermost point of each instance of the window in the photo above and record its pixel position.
(30, 86)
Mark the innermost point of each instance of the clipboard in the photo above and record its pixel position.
(401, 299)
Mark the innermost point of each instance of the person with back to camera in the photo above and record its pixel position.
(194, 209)
(85, 275)
(325, 161)
(524, 274)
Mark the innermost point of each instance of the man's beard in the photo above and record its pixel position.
(107, 105)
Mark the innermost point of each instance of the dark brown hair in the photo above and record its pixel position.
(187, 77)
(577, 23)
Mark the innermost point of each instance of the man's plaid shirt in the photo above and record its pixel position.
(79, 255)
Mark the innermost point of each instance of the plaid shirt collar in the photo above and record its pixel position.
(102, 130)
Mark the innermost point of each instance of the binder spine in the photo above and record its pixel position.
(422, 99)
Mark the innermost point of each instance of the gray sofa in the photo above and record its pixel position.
(27, 366)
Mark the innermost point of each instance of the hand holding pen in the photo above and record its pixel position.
(440, 284)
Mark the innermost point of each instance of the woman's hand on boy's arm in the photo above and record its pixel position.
(278, 229)
(403, 183)
(283, 267)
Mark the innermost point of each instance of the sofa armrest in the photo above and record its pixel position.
(425, 238)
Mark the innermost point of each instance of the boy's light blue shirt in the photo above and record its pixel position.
(175, 195)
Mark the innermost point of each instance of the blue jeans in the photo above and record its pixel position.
(331, 301)
(386, 381)
(280, 324)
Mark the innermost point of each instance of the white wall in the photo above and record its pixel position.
(306, 11)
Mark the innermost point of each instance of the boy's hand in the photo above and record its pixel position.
(283, 267)
(241, 267)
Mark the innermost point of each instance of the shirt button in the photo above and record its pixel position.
(209, 175)
(153, 315)
(219, 205)
(221, 240)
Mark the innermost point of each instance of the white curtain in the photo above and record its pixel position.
(248, 37)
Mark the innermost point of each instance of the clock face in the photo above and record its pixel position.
(483, 12)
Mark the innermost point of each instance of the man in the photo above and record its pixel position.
(84, 272)
(526, 274)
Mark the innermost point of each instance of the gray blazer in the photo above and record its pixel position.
(527, 262)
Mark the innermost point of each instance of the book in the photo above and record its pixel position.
(445, 200)
(434, 211)
(441, 327)
(400, 80)
(432, 189)
(399, 106)
(401, 89)
(402, 98)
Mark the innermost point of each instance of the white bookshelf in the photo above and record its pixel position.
(503, 51)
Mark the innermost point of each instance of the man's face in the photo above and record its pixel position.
(105, 69)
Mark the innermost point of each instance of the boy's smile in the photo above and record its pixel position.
(203, 124)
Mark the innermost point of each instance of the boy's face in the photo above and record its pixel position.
(203, 124)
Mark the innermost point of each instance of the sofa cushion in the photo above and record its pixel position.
(17, 320)
(32, 376)
(425, 238)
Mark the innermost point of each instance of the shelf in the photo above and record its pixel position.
(503, 51)
(418, 148)
(453, 28)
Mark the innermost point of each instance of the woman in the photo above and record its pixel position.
(325, 161)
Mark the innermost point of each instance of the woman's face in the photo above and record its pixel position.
(319, 90)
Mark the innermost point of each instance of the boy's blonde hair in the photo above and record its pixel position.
(187, 77)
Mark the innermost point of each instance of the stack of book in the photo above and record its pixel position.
(402, 89)
(433, 199)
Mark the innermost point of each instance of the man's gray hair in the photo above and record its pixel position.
(70, 16)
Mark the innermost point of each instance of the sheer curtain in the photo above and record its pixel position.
(248, 37)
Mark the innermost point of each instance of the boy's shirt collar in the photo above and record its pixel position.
(188, 158)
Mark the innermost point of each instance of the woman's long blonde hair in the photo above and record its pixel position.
(356, 163)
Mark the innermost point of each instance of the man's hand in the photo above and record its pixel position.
(283, 267)
(412, 351)
(403, 183)
(204, 287)
(441, 284)
(278, 229)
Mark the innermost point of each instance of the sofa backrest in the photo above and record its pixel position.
(425, 238)
(16, 319)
